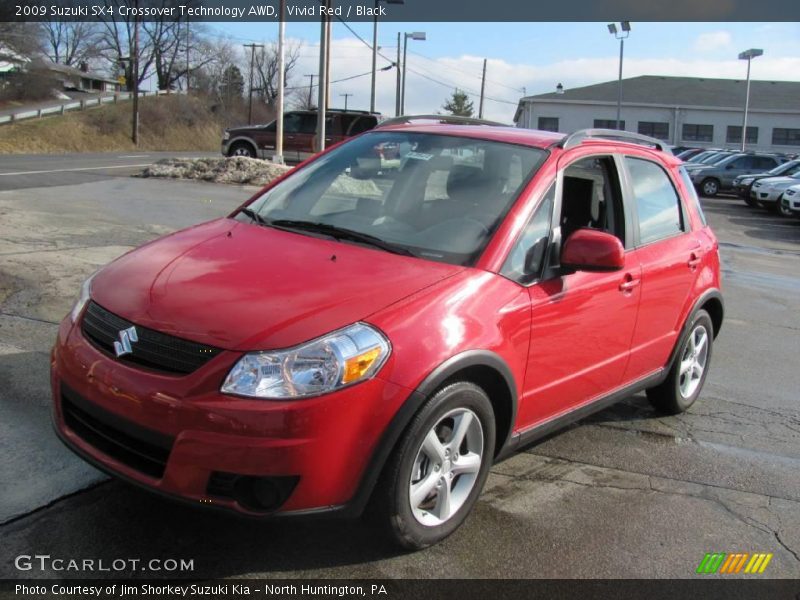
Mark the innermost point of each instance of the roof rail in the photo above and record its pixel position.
(441, 119)
(574, 139)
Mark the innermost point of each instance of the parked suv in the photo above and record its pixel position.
(711, 179)
(299, 134)
(348, 339)
(768, 192)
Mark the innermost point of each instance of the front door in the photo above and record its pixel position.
(581, 323)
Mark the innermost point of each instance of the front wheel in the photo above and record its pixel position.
(242, 149)
(438, 469)
(710, 187)
(688, 373)
(782, 210)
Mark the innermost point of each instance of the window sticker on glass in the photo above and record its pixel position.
(419, 155)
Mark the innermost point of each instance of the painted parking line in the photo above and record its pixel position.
(73, 169)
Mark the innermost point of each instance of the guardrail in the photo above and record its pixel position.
(60, 109)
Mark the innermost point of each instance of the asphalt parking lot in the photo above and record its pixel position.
(625, 493)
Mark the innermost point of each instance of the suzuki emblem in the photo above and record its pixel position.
(126, 338)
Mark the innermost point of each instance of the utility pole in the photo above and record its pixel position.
(483, 87)
(278, 157)
(250, 95)
(310, 88)
(346, 96)
(323, 79)
(187, 56)
(329, 25)
(397, 93)
(135, 73)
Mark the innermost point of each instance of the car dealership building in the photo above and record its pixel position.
(685, 111)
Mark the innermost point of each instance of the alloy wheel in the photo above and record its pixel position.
(241, 151)
(710, 188)
(693, 361)
(446, 467)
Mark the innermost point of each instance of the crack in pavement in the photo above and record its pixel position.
(747, 520)
(34, 319)
(52, 503)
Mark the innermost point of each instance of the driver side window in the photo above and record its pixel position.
(592, 198)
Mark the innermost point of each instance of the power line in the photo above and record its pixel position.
(465, 90)
(433, 60)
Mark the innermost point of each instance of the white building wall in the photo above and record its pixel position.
(575, 115)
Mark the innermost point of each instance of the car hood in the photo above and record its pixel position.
(239, 286)
(778, 182)
(691, 167)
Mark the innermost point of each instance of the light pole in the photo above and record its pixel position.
(416, 35)
(278, 156)
(375, 48)
(747, 55)
(625, 27)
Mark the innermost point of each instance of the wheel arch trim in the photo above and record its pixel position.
(399, 423)
(710, 294)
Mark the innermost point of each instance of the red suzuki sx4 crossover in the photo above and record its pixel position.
(373, 333)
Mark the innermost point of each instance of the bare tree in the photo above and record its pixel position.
(20, 40)
(116, 44)
(72, 42)
(266, 69)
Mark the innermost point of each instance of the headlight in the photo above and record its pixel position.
(83, 298)
(341, 358)
(226, 135)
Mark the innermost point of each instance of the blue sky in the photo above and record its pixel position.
(534, 56)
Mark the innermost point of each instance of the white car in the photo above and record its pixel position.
(790, 202)
(767, 192)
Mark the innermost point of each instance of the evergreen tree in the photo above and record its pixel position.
(459, 104)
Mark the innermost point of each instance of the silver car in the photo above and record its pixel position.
(768, 192)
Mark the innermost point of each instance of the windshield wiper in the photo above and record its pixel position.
(254, 215)
(340, 233)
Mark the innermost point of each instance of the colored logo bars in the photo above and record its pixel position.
(742, 562)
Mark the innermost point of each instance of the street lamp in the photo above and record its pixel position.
(747, 55)
(416, 35)
(375, 48)
(625, 27)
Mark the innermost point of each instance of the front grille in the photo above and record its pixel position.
(141, 449)
(153, 350)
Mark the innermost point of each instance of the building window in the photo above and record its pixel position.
(782, 136)
(608, 124)
(548, 123)
(734, 135)
(654, 129)
(698, 133)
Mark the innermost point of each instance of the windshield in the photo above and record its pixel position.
(435, 196)
(716, 158)
(789, 168)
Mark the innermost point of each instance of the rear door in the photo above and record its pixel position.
(298, 132)
(669, 253)
(582, 322)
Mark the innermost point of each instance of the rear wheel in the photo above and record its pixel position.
(710, 187)
(438, 469)
(688, 373)
(242, 149)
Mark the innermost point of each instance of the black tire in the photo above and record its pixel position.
(751, 202)
(390, 505)
(242, 149)
(782, 210)
(709, 187)
(668, 396)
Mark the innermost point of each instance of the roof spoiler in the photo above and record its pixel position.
(576, 138)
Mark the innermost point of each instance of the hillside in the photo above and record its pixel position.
(165, 123)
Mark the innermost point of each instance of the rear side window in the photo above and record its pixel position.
(687, 182)
(657, 202)
(362, 124)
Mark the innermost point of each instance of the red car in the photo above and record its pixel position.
(355, 337)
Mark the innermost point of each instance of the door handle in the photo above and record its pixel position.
(629, 283)
(694, 261)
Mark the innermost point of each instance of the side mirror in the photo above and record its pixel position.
(592, 250)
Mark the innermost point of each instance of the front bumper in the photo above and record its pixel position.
(178, 436)
(766, 196)
(792, 203)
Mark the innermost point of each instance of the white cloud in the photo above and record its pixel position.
(712, 41)
(505, 80)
